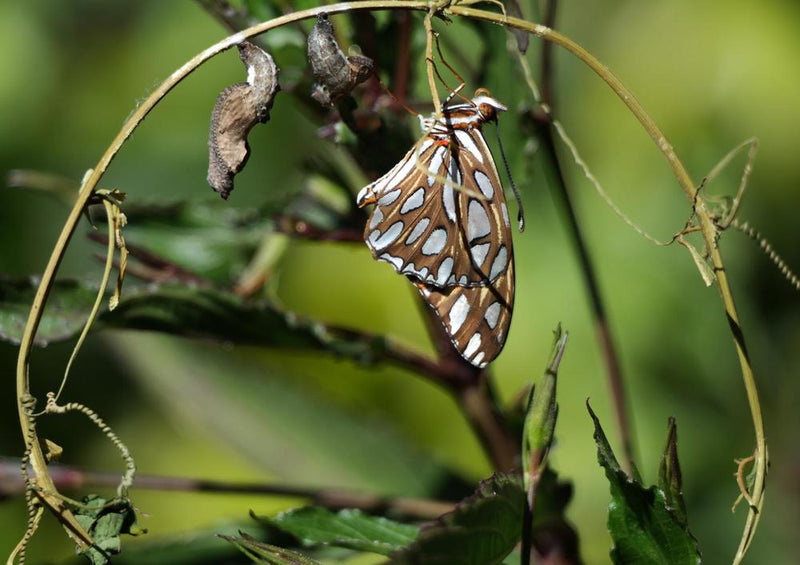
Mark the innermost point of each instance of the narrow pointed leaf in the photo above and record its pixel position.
(669, 475)
(261, 552)
(514, 9)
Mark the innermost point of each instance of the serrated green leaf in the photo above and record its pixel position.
(66, 312)
(482, 530)
(347, 528)
(105, 520)
(261, 552)
(210, 240)
(643, 527)
(176, 309)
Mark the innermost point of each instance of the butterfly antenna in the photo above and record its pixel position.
(521, 214)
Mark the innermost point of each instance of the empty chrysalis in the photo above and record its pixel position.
(335, 73)
(239, 107)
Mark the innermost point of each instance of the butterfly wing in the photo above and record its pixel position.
(422, 228)
(484, 226)
(475, 318)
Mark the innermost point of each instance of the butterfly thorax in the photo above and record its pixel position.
(464, 116)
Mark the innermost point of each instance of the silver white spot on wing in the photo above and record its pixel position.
(377, 218)
(436, 162)
(500, 262)
(418, 230)
(492, 314)
(396, 261)
(448, 192)
(484, 183)
(454, 173)
(465, 139)
(362, 194)
(477, 360)
(504, 210)
(472, 345)
(414, 201)
(444, 271)
(479, 252)
(458, 313)
(389, 197)
(380, 241)
(477, 221)
(449, 201)
(435, 242)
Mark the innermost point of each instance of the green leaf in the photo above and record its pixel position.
(482, 530)
(347, 528)
(211, 240)
(105, 520)
(261, 552)
(66, 312)
(643, 526)
(176, 309)
(209, 313)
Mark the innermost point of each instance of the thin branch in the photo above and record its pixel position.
(68, 478)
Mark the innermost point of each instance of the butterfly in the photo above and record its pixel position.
(441, 219)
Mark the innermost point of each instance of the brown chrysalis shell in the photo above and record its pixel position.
(239, 107)
(336, 74)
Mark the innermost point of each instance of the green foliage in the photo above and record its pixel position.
(644, 525)
(105, 520)
(482, 530)
(347, 528)
(177, 309)
(66, 313)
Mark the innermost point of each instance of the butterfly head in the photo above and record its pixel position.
(488, 106)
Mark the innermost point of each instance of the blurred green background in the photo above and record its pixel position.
(711, 73)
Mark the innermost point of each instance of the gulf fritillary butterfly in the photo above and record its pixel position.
(441, 219)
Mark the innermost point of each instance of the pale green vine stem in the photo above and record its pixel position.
(98, 299)
(88, 187)
(130, 465)
(437, 104)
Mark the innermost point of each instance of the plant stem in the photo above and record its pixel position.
(72, 478)
(479, 405)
